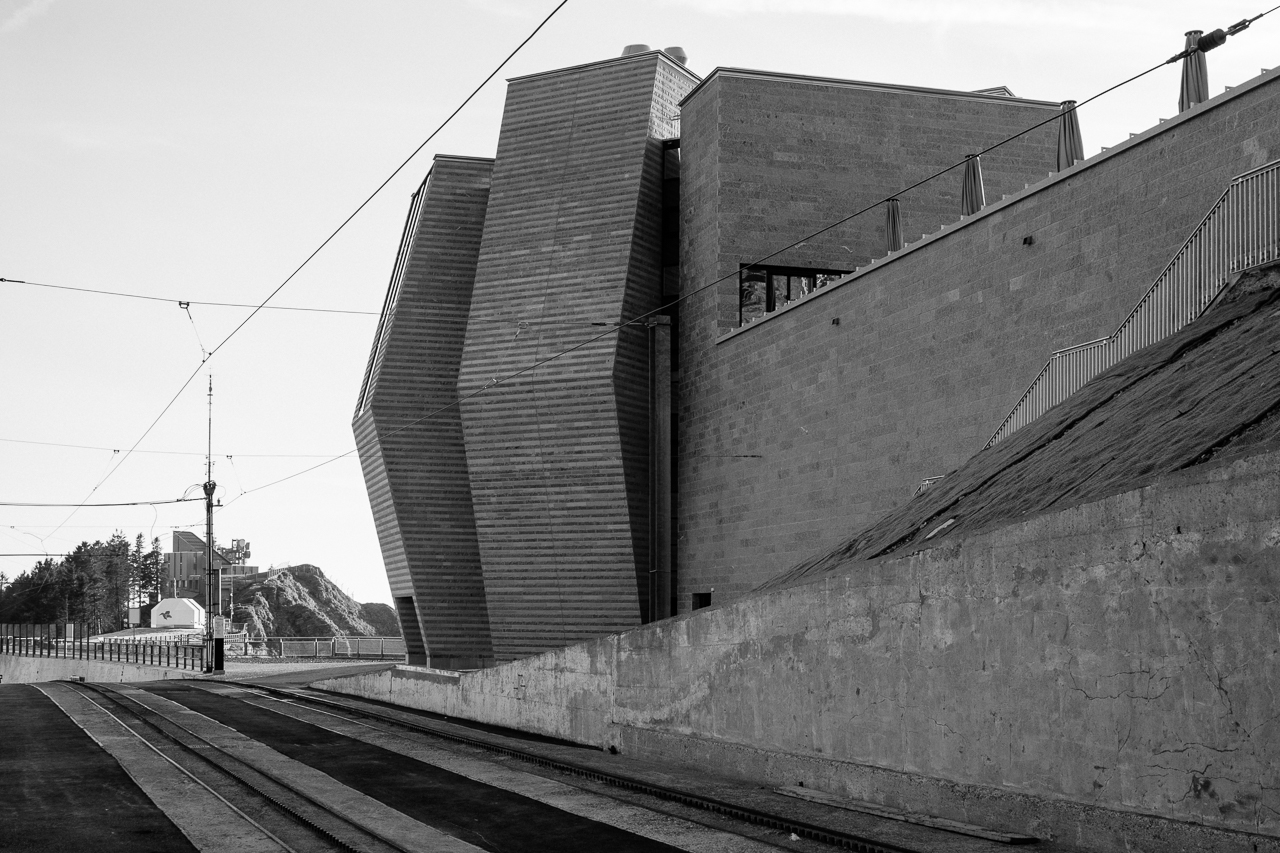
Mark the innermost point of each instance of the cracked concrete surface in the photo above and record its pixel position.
(1076, 676)
(1089, 653)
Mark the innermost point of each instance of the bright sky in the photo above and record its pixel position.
(201, 151)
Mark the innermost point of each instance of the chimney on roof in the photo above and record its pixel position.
(632, 49)
(677, 53)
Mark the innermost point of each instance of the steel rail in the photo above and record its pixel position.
(244, 775)
(747, 814)
(185, 771)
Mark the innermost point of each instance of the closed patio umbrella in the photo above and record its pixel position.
(1195, 75)
(972, 197)
(892, 226)
(1070, 143)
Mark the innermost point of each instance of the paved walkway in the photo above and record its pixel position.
(60, 792)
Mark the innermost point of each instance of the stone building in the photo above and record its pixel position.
(525, 502)
(184, 567)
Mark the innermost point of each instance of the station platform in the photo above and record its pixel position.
(59, 791)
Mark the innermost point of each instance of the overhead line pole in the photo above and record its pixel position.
(213, 574)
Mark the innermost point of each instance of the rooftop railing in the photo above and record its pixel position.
(1241, 230)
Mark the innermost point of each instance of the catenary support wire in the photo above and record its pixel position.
(319, 248)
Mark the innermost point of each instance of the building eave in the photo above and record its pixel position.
(603, 63)
(835, 82)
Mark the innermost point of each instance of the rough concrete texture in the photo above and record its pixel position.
(15, 669)
(1092, 675)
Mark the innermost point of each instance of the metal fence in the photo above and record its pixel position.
(375, 648)
(1241, 231)
(928, 483)
(71, 641)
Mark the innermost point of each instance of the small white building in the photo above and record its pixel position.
(177, 613)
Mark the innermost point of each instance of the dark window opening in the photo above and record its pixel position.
(701, 600)
(764, 289)
(415, 646)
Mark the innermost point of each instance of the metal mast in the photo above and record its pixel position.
(213, 575)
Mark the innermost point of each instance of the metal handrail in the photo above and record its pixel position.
(71, 641)
(928, 483)
(1240, 231)
(377, 648)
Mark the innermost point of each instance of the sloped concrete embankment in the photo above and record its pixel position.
(1081, 675)
(16, 669)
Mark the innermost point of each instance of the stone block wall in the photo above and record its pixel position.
(556, 451)
(414, 466)
(806, 426)
(770, 158)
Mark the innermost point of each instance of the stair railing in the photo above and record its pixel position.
(1240, 231)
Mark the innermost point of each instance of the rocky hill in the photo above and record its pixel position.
(301, 602)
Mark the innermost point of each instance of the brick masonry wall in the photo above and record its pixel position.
(571, 245)
(796, 432)
(416, 473)
(768, 160)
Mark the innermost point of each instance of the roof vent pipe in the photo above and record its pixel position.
(677, 53)
(633, 49)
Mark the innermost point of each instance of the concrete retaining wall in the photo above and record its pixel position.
(15, 669)
(1090, 674)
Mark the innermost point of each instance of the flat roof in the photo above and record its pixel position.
(613, 60)
(781, 77)
(463, 157)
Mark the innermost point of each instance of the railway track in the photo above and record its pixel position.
(287, 815)
(774, 820)
(208, 729)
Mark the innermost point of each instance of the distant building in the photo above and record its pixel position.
(184, 567)
(179, 612)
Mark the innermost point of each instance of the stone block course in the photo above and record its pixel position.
(933, 347)
(416, 473)
(556, 455)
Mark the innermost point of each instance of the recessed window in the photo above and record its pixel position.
(701, 600)
(764, 289)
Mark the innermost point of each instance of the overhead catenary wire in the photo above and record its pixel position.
(327, 240)
(89, 505)
(186, 303)
(614, 329)
(183, 303)
(204, 354)
(170, 452)
(35, 554)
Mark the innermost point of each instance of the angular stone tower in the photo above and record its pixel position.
(558, 454)
(408, 430)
